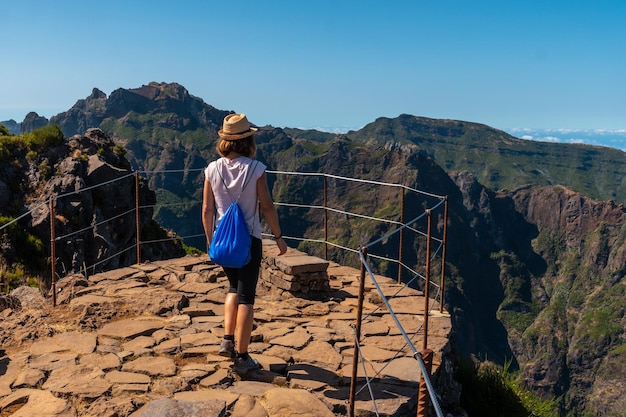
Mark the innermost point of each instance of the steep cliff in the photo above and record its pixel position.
(557, 265)
(576, 342)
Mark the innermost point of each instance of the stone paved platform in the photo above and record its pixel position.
(142, 341)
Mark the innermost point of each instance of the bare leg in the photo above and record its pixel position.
(230, 313)
(245, 319)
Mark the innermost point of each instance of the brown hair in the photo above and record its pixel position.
(245, 146)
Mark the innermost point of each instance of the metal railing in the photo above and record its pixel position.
(425, 206)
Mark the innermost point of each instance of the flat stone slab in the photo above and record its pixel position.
(295, 340)
(114, 275)
(104, 361)
(320, 354)
(90, 299)
(300, 264)
(207, 395)
(78, 342)
(287, 402)
(29, 377)
(253, 388)
(376, 354)
(153, 366)
(38, 403)
(52, 361)
(80, 381)
(167, 407)
(403, 369)
(130, 328)
(119, 377)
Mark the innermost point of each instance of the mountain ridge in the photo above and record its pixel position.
(498, 159)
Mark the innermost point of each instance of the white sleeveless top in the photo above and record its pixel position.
(234, 171)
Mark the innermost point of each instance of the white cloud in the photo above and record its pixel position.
(614, 138)
(550, 139)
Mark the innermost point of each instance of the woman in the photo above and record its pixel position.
(224, 183)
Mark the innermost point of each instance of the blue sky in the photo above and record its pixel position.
(328, 64)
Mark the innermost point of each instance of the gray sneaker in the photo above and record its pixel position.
(227, 348)
(243, 366)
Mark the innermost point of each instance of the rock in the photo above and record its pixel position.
(321, 354)
(284, 402)
(9, 302)
(248, 406)
(79, 381)
(29, 297)
(39, 403)
(29, 377)
(294, 340)
(81, 343)
(167, 407)
(153, 366)
(119, 405)
(403, 369)
(117, 377)
(129, 328)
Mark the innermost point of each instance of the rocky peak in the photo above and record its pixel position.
(96, 94)
(162, 91)
(33, 121)
(13, 127)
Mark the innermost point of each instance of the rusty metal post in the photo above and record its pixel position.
(355, 357)
(427, 275)
(422, 394)
(137, 218)
(401, 245)
(53, 263)
(443, 255)
(325, 221)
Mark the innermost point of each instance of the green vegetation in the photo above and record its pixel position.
(501, 161)
(602, 320)
(489, 390)
(27, 259)
(119, 150)
(149, 128)
(190, 250)
(516, 310)
(31, 143)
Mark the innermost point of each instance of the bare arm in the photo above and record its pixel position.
(269, 211)
(208, 211)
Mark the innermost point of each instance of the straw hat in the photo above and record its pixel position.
(236, 126)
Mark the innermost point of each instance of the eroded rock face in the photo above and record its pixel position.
(561, 261)
(572, 215)
(94, 225)
(33, 121)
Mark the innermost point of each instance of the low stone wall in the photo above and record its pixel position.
(294, 272)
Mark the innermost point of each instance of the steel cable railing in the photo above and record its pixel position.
(408, 341)
(399, 225)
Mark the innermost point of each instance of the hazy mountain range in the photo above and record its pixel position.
(614, 138)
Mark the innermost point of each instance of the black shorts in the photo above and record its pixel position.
(243, 280)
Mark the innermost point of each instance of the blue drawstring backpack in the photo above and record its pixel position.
(230, 245)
